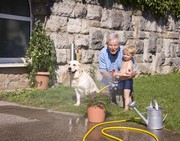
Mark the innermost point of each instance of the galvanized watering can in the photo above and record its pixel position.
(154, 115)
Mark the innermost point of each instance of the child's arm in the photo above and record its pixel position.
(121, 75)
(133, 71)
(129, 68)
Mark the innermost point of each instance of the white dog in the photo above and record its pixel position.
(82, 82)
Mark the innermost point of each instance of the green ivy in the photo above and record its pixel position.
(159, 8)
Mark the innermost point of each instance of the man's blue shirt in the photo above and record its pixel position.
(108, 62)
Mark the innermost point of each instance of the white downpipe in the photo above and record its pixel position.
(72, 52)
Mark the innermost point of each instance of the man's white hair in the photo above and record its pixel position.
(113, 36)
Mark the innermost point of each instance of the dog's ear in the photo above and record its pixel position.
(80, 67)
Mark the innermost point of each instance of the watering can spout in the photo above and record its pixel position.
(132, 105)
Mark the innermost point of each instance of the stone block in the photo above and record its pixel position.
(176, 62)
(105, 19)
(172, 35)
(123, 38)
(64, 8)
(167, 44)
(96, 39)
(144, 68)
(85, 26)
(138, 58)
(168, 62)
(82, 41)
(94, 23)
(158, 62)
(129, 34)
(62, 40)
(152, 43)
(74, 25)
(150, 25)
(87, 56)
(143, 35)
(94, 12)
(80, 11)
(139, 47)
(116, 19)
(62, 56)
(167, 69)
(56, 23)
(96, 56)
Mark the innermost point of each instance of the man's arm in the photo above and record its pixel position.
(105, 74)
(103, 65)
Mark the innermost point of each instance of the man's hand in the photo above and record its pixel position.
(105, 74)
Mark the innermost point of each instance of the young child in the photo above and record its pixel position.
(126, 70)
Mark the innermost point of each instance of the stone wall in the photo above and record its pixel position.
(88, 22)
(13, 78)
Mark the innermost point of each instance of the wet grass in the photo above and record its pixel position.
(165, 89)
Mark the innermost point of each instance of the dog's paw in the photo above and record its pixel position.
(77, 104)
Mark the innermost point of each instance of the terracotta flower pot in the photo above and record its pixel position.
(96, 114)
(42, 79)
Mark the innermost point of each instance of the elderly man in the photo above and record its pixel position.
(110, 59)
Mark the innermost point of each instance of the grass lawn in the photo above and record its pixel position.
(165, 89)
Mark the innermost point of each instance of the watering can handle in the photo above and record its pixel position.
(165, 116)
(154, 102)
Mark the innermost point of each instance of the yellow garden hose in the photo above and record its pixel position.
(117, 127)
(126, 128)
(103, 88)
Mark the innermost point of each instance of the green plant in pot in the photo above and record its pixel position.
(41, 57)
(96, 104)
(100, 100)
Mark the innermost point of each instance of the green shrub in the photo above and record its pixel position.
(159, 8)
(41, 54)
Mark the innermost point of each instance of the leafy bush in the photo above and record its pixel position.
(158, 7)
(41, 54)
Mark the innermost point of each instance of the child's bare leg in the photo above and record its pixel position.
(127, 98)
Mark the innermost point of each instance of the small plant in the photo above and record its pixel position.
(41, 54)
(97, 99)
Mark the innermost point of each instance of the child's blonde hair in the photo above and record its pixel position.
(130, 48)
